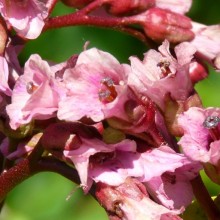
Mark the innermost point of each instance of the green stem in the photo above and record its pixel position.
(204, 199)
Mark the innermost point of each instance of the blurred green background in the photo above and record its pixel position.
(43, 197)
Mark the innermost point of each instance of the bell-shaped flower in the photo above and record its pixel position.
(207, 43)
(97, 82)
(89, 147)
(26, 17)
(35, 95)
(173, 189)
(201, 139)
(160, 74)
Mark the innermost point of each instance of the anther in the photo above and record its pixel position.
(30, 87)
(165, 67)
(107, 92)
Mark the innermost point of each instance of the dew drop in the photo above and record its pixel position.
(211, 122)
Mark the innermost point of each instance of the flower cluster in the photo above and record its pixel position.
(113, 124)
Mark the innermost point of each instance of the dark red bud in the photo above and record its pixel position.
(160, 24)
(128, 7)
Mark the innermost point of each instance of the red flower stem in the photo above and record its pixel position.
(204, 199)
(91, 7)
(81, 18)
(14, 176)
(26, 168)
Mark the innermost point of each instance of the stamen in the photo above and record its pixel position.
(164, 66)
(30, 87)
(107, 81)
(107, 92)
(103, 95)
(211, 122)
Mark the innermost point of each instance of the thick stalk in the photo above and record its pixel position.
(204, 199)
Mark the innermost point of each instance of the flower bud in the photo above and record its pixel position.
(127, 7)
(160, 24)
(76, 3)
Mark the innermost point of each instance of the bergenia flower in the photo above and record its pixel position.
(35, 95)
(160, 73)
(26, 16)
(201, 139)
(130, 201)
(174, 189)
(207, 43)
(89, 147)
(96, 82)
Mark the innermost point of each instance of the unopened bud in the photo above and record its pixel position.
(76, 3)
(128, 7)
(160, 24)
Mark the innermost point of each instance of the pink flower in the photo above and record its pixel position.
(94, 84)
(178, 6)
(207, 42)
(35, 95)
(173, 189)
(26, 16)
(160, 74)
(200, 141)
(89, 147)
(130, 201)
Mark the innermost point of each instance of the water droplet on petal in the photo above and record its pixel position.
(211, 122)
